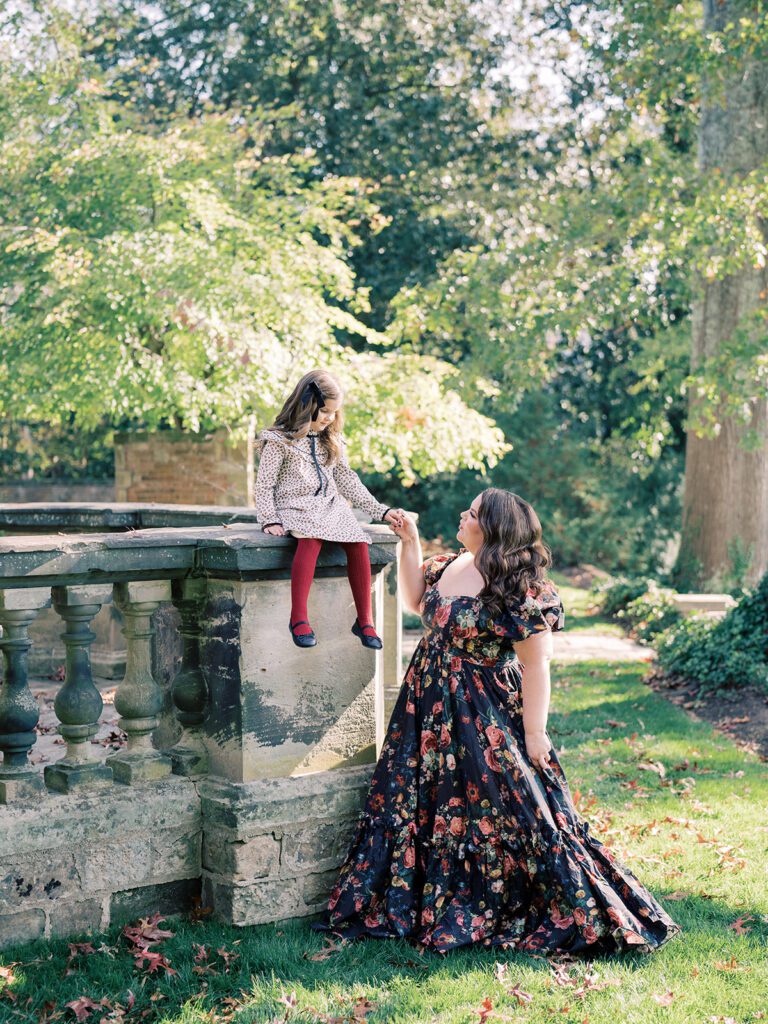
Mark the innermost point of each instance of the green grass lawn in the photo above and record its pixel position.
(682, 806)
(578, 614)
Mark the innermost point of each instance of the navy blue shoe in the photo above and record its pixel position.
(302, 639)
(367, 641)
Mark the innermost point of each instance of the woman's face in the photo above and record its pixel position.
(469, 533)
(325, 416)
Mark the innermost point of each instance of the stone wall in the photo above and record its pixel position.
(82, 862)
(182, 469)
(266, 751)
(272, 849)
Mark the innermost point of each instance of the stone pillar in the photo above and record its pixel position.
(277, 709)
(392, 668)
(189, 688)
(272, 849)
(139, 698)
(19, 711)
(292, 733)
(78, 704)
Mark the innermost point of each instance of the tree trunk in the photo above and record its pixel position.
(726, 486)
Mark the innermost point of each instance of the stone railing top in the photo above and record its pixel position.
(240, 551)
(43, 517)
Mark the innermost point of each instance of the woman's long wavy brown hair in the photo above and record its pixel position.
(513, 558)
(294, 418)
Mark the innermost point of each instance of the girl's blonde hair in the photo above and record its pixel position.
(295, 416)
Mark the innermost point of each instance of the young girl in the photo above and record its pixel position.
(302, 481)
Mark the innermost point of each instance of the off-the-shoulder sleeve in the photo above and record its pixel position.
(433, 567)
(535, 614)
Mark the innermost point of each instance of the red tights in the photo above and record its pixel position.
(358, 571)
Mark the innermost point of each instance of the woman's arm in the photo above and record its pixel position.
(411, 577)
(535, 653)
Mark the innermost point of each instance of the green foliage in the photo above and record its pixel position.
(180, 275)
(616, 593)
(721, 654)
(650, 613)
(41, 451)
(397, 93)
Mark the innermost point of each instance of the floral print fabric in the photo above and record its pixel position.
(461, 839)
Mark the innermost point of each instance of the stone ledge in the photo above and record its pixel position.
(253, 808)
(61, 820)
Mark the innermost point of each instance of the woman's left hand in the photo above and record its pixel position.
(538, 746)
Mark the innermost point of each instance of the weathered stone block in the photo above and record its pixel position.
(69, 918)
(175, 854)
(252, 858)
(254, 808)
(42, 877)
(125, 861)
(165, 898)
(276, 710)
(23, 927)
(315, 848)
(252, 902)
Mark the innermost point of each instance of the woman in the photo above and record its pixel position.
(469, 832)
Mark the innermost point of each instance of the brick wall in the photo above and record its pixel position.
(182, 469)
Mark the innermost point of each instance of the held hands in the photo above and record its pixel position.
(394, 517)
(538, 746)
(402, 524)
(275, 531)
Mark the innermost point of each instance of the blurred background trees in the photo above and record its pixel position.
(494, 218)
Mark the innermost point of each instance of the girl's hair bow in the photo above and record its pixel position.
(312, 390)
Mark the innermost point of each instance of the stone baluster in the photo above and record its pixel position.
(78, 704)
(139, 699)
(189, 688)
(19, 711)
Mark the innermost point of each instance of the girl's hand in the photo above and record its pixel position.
(275, 531)
(406, 529)
(538, 746)
(394, 517)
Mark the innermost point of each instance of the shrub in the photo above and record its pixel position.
(615, 594)
(725, 653)
(650, 613)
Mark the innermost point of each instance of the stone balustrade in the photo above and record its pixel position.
(252, 802)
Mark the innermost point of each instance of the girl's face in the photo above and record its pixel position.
(469, 533)
(325, 416)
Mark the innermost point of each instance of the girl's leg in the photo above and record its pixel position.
(302, 574)
(359, 573)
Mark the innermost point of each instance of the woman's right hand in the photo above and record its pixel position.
(408, 529)
(275, 531)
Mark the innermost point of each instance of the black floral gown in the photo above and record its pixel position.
(461, 839)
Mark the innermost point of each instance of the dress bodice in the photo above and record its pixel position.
(463, 625)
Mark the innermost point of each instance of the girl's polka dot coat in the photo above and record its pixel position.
(310, 498)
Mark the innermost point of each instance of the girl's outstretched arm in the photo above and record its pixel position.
(411, 578)
(270, 463)
(354, 490)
